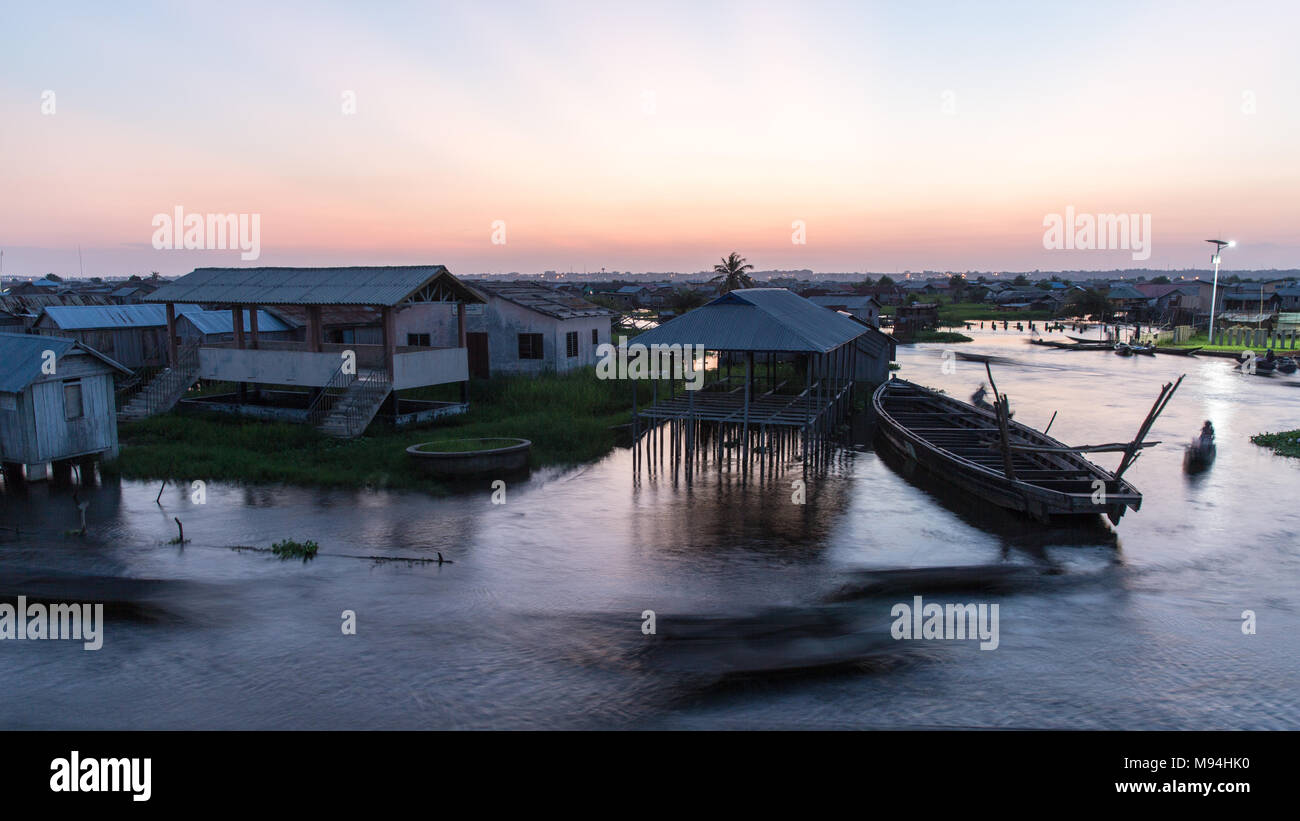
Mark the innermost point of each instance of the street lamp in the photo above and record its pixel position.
(1214, 289)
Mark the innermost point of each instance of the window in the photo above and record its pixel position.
(72, 407)
(530, 346)
(595, 336)
(418, 340)
(571, 344)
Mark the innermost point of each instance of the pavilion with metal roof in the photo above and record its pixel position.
(813, 358)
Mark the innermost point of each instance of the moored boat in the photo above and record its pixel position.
(1024, 470)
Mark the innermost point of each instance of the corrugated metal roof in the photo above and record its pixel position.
(758, 319)
(846, 301)
(542, 299)
(24, 354)
(1125, 292)
(85, 317)
(387, 285)
(223, 322)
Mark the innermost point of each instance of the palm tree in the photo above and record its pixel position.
(731, 273)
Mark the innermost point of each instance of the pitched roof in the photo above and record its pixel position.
(381, 285)
(24, 354)
(83, 317)
(758, 319)
(542, 299)
(223, 322)
(844, 301)
(1154, 291)
(1123, 291)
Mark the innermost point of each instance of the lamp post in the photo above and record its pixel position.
(1214, 289)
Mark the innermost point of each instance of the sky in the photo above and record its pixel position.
(498, 137)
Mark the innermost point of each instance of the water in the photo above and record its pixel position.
(536, 624)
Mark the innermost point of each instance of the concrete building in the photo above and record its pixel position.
(56, 405)
(529, 328)
(347, 384)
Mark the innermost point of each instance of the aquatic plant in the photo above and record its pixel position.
(289, 549)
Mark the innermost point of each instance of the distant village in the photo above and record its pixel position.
(338, 348)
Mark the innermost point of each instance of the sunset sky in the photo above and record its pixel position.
(649, 137)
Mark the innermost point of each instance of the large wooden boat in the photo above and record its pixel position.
(1004, 462)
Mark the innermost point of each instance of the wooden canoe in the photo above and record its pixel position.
(961, 444)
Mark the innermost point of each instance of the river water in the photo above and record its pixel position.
(537, 623)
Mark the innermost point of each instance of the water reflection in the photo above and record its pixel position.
(538, 622)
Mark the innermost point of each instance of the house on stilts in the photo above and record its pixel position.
(56, 407)
(778, 376)
(338, 387)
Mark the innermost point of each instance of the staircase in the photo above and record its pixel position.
(166, 389)
(347, 414)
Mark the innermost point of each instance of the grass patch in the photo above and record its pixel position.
(568, 417)
(929, 335)
(289, 549)
(1286, 443)
(1202, 341)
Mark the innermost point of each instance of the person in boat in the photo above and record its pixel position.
(978, 400)
(1207, 435)
(1270, 356)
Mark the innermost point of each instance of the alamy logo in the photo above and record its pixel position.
(75, 774)
(953, 622)
(1100, 232)
(637, 361)
(71, 622)
(208, 232)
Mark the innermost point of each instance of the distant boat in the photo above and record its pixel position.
(1178, 351)
(1128, 349)
(1030, 472)
(1199, 455)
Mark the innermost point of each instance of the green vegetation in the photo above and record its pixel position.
(1286, 443)
(289, 549)
(568, 418)
(1202, 341)
(953, 314)
(938, 336)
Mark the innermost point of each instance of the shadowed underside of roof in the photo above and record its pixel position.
(385, 286)
(758, 319)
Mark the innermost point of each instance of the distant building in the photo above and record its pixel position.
(530, 328)
(865, 309)
(56, 404)
(132, 335)
(219, 326)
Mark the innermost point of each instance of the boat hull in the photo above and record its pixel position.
(1078, 488)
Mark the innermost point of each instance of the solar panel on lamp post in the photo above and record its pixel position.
(1219, 245)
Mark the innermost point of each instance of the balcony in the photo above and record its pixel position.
(295, 363)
